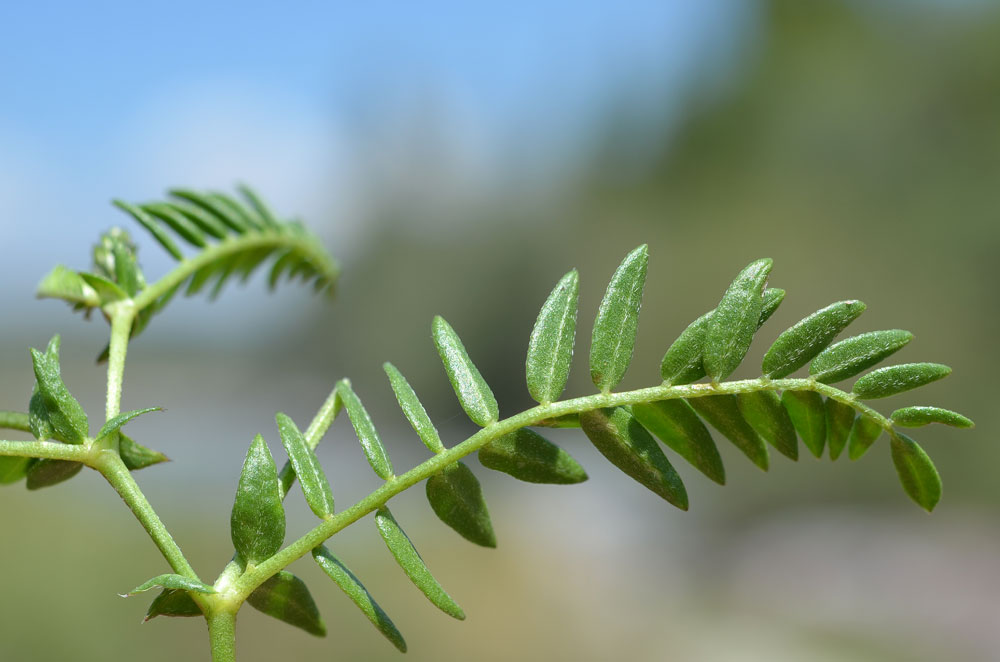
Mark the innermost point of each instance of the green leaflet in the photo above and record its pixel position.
(677, 425)
(839, 421)
(136, 456)
(916, 472)
(550, 349)
(64, 414)
(409, 560)
(473, 393)
(45, 473)
(122, 419)
(856, 354)
(413, 410)
(214, 207)
(258, 205)
(172, 602)
(617, 319)
(315, 486)
(377, 456)
(457, 499)
(258, 519)
(38, 417)
(206, 222)
(798, 344)
(171, 581)
(735, 320)
(152, 226)
(66, 284)
(682, 364)
(13, 469)
(895, 379)
(179, 223)
(863, 434)
(286, 598)
(527, 456)
(627, 445)
(808, 414)
(913, 417)
(359, 595)
(723, 413)
(107, 290)
(763, 411)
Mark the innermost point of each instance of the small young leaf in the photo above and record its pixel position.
(723, 413)
(617, 319)
(677, 425)
(798, 344)
(171, 581)
(808, 414)
(550, 349)
(895, 379)
(773, 296)
(682, 364)
(359, 595)
(473, 393)
(65, 415)
(65, 284)
(173, 602)
(122, 419)
(365, 429)
(457, 499)
(627, 445)
(13, 469)
(864, 432)
(153, 226)
(763, 411)
(528, 456)
(409, 560)
(285, 597)
(413, 410)
(107, 290)
(315, 486)
(914, 417)
(258, 519)
(735, 320)
(916, 472)
(839, 421)
(856, 354)
(45, 473)
(136, 456)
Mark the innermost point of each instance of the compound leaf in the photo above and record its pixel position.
(527, 456)
(550, 348)
(627, 445)
(763, 411)
(839, 421)
(913, 417)
(916, 472)
(413, 409)
(895, 379)
(258, 519)
(371, 443)
(808, 414)
(473, 393)
(457, 499)
(863, 434)
(359, 595)
(617, 319)
(315, 486)
(856, 354)
(798, 344)
(723, 413)
(735, 320)
(409, 560)
(286, 597)
(677, 425)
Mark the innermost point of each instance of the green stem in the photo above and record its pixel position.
(110, 465)
(222, 634)
(122, 316)
(299, 548)
(46, 449)
(14, 420)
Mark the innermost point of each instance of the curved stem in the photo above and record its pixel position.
(295, 550)
(222, 634)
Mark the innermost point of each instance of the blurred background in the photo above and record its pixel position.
(458, 158)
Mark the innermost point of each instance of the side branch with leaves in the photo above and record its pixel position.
(233, 237)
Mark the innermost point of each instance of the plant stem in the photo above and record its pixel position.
(122, 316)
(295, 550)
(114, 470)
(14, 420)
(222, 635)
(45, 449)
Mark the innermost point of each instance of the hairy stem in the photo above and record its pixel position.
(122, 316)
(299, 548)
(222, 634)
(14, 420)
(45, 449)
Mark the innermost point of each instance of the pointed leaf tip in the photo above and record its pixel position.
(258, 517)
(617, 320)
(735, 321)
(286, 597)
(808, 414)
(550, 348)
(528, 456)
